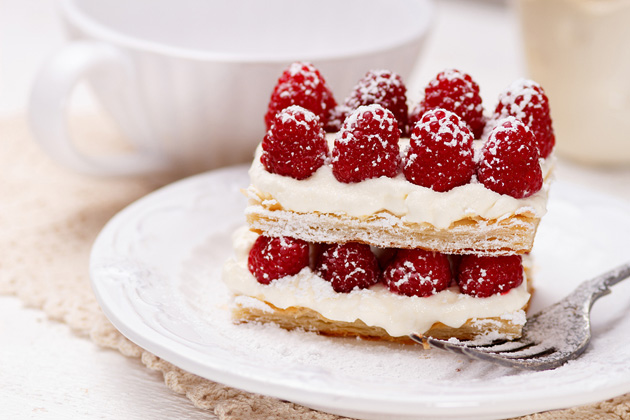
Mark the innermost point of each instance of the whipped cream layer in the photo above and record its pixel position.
(322, 193)
(376, 306)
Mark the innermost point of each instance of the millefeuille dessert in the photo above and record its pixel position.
(397, 222)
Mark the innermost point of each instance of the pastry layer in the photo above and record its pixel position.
(291, 318)
(392, 212)
(511, 235)
(309, 302)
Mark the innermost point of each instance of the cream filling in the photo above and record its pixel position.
(322, 193)
(376, 306)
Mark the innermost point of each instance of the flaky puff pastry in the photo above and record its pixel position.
(310, 320)
(474, 235)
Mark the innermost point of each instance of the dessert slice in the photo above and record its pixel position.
(364, 233)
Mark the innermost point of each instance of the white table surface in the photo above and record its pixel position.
(48, 372)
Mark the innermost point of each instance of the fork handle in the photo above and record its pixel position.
(599, 286)
(614, 276)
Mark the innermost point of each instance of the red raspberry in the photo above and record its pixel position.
(348, 266)
(440, 154)
(274, 258)
(416, 272)
(486, 276)
(526, 100)
(509, 162)
(301, 84)
(367, 145)
(295, 145)
(457, 92)
(381, 87)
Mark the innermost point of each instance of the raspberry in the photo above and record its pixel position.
(274, 258)
(509, 162)
(457, 92)
(440, 154)
(381, 87)
(416, 272)
(301, 84)
(348, 266)
(526, 100)
(367, 145)
(295, 145)
(486, 276)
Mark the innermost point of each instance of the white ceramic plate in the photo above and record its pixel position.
(156, 268)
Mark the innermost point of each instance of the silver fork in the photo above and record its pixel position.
(551, 337)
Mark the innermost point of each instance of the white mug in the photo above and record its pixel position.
(188, 81)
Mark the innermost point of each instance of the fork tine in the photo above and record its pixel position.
(494, 347)
(502, 347)
(539, 360)
(529, 352)
(470, 352)
(508, 350)
(550, 361)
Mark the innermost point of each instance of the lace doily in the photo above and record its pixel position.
(50, 218)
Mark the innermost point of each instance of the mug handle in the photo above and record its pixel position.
(48, 108)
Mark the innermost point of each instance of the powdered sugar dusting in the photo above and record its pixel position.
(510, 161)
(305, 73)
(382, 87)
(291, 114)
(456, 91)
(367, 145)
(418, 272)
(526, 100)
(301, 84)
(348, 266)
(469, 88)
(456, 132)
(295, 144)
(373, 89)
(440, 154)
(451, 75)
(386, 120)
(518, 97)
(251, 302)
